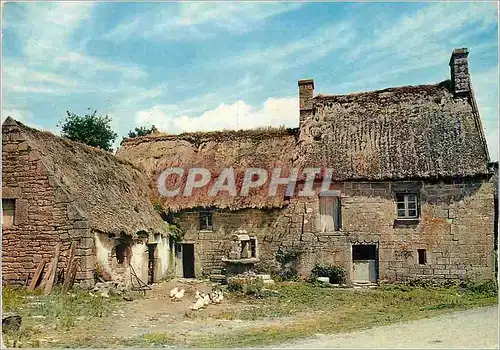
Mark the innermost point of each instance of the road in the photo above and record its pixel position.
(477, 328)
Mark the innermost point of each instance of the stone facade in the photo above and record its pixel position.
(55, 191)
(44, 216)
(382, 149)
(455, 227)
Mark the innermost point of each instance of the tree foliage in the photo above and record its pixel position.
(141, 131)
(91, 129)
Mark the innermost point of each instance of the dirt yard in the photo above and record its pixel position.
(158, 314)
(298, 311)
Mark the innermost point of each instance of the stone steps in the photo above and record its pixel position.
(218, 278)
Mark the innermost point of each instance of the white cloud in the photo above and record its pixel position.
(23, 116)
(51, 54)
(92, 65)
(434, 20)
(493, 141)
(239, 115)
(15, 113)
(306, 50)
(485, 85)
(197, 20)
(47, 28)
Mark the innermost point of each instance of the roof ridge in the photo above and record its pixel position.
(70, 142)
(444, 83)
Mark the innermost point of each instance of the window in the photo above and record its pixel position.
(8, 212)
(330, 213)
(253, 248)
(407, 206)
(422, 256)
(121, 252)
(206, 221)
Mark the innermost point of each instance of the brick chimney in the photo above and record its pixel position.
(459, 69)
(306, 93)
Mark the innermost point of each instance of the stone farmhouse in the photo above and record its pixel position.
(411, 194)
(58, 191)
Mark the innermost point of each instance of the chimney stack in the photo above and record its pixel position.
(459, 69)
(306, 93)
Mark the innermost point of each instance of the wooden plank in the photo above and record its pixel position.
(72, 275)
(71, 258)
(37, 274)
(49, 282)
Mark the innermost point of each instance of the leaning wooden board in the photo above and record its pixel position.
(69, 267)
(51, 274)
(37, 274)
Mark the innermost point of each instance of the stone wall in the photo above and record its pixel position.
(455, 228)
(44, 216)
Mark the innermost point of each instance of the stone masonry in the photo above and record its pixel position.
(455, 227)
(44, 216)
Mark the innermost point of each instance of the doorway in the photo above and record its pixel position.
(364, 263)
(151, 263)
(187, 254)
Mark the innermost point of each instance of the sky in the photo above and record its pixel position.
(194, 66)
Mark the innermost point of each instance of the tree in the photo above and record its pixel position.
(91, 129)
(141, 131)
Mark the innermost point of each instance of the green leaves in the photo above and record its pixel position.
(91, 129)
(141, 131)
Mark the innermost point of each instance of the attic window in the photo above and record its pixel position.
(206, 221)
(407, 205)
(8, 212)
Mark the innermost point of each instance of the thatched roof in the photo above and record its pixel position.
(111, 193)
(264, 148)
(397, 133)
(411, 132)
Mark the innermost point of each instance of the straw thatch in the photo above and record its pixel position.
(411, 132)
(397, 133)
(111, 193)
(264, 148)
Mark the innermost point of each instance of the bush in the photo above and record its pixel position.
(288, 265)
(313, 280)
(336, 274)
(246, 285)
(487, 288)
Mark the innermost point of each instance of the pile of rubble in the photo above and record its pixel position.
(266, 279)
(104, 289)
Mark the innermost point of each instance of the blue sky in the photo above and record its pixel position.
(207, 66)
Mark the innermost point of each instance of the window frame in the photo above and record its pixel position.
(406, 203)
(208, 224)
(14, 212)
(336, 208)
(422, 253)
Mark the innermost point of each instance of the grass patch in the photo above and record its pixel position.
(149, 340)
(330, 310)
(57, 312)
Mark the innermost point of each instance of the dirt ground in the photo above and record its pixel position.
(157, 313)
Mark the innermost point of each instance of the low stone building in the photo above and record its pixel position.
(411, 194)
(58, 191)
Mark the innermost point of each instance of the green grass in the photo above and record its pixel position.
(149, 340)
(326, 310)
(56, 312)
